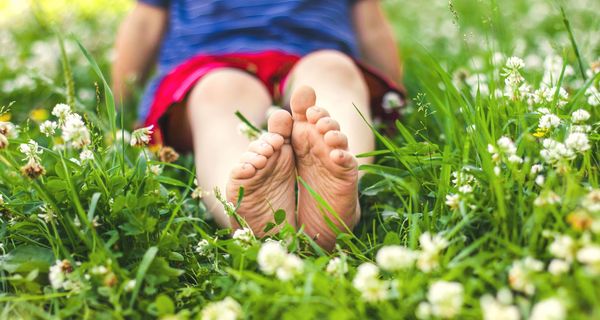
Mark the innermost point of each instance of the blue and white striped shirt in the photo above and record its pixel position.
(244, 26)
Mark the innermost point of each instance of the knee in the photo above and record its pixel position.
(331, 63)
(226, 87)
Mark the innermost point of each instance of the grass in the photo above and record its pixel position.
(131, 235)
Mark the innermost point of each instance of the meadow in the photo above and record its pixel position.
(484, 203)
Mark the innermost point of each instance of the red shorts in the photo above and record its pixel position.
(271, 68)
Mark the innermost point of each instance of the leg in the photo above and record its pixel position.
(212, 127)
(339, 86)
(324, 155)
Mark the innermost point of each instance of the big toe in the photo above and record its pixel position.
(302, 99)
(280, 122)
(243, 171)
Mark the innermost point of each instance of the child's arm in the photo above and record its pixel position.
(137, 42)
(376, 39)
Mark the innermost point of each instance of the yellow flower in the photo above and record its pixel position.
(5, 117)
(540, 132)
(39, 115)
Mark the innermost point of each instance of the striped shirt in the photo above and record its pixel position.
(215, 27)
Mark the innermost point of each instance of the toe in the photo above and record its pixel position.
(302, 99)
(327, 124)
(336, 139)
(274, 139)
(255, 159)
(313, 114)
(280, 122)
(243, 171)
(261, 147)
(342, 158)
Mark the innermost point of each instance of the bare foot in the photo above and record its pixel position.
(324, 163)
(267, 173)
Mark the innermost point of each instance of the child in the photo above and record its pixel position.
(219, 56)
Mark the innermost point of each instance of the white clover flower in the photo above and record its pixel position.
(563, 247)
(539, 180)
(591, 202)
(31, 150)
(578, 142)
(536, 168)
(589, 255)
(337, 267)
(271, 256)
(99, 270)
(555, 151)
(583, 128)
(48, 128)
(513, 158)
(47, 214)
(291, 267)
(547, 198)
(86, 155)
(542, 95)
(365, 273)
(549, 121)
(61, 111)
(367, 281)
(514, 63)
(227, 309)
(74, 131)
(579, 116)
(395, 258)
(453, 201)
(423, 311)
(521, 272)
(549, 309)
(243, 237)
(202, 247)
(525, 90)
(563, 96)
(495, 309)
(460, 178)
(141, 137)
(467, 188)
(429, 255)
(8, 129)
(511, 72)
(123, 135)
(543, 111)
(558, 267)
(58, 274)
(129, 285)
(156, 169)
(593, 95)
(497, 170)
(506, 145)
(445, 298)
